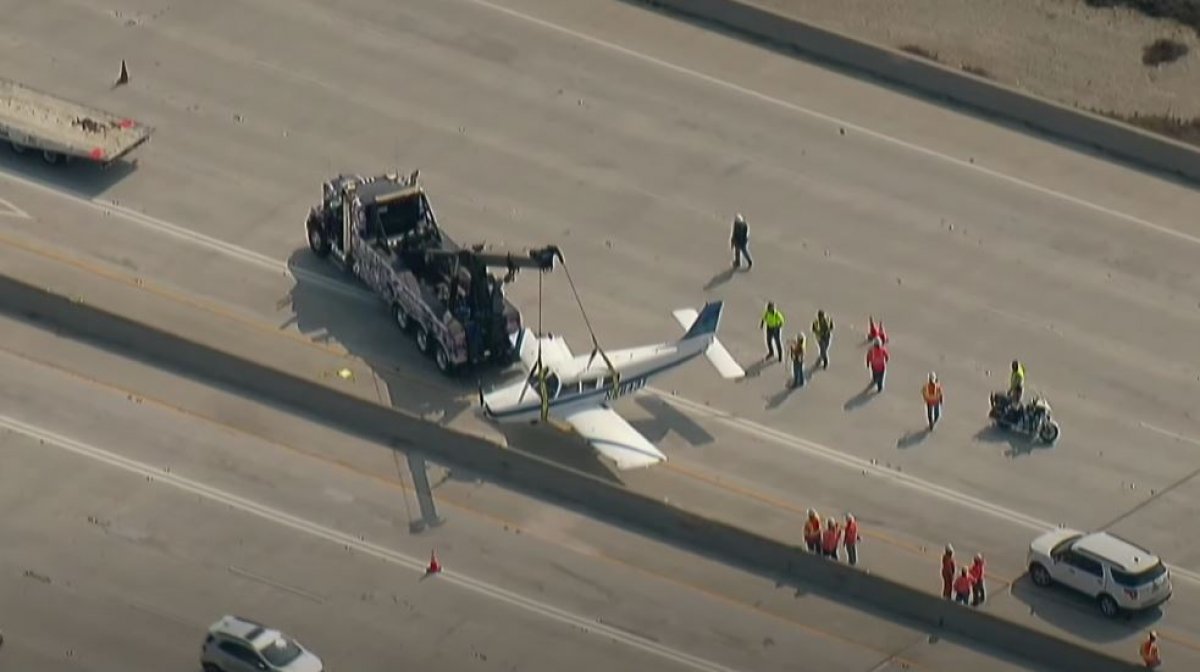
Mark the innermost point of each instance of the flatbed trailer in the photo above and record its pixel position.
(63, 130)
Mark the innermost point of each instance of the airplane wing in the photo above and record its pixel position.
(613, 437)
(555, 353)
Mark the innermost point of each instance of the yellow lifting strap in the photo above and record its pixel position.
(596, 349)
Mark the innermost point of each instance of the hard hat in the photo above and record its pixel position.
(932, 377)
(876, 341)
(738, 218)
(811, 513)
(949, 548)
(850, 516)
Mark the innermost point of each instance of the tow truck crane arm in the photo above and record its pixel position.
(541, 258)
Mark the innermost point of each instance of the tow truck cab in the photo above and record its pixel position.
(384, 230)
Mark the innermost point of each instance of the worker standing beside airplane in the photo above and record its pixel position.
(740, 242)
(822, 328)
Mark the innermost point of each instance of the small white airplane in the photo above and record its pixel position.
(578, 390)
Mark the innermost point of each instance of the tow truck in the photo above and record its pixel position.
(63, 130)
(383, 230)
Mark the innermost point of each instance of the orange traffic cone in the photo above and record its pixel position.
(434, 567)
(123, 78)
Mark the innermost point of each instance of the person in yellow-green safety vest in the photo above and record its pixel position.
(772, 320)
(822, 329)
(1016, 382)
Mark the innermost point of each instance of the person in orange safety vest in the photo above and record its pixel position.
(931, 391)
(812, 532)
(1149, 651)
(830, 539)
(850, 539)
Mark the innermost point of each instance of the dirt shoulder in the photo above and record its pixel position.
(1065, 50)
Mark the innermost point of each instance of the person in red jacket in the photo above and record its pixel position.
(1149, 651)
(962, 586)
(877, 359)
(947, 571)
(978, 594)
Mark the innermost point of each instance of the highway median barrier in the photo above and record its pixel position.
(1119, 140)
(544, 479)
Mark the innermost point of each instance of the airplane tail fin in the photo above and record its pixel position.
(705, 324)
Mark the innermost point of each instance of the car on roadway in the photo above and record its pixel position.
(236, 644)
(1119, 575)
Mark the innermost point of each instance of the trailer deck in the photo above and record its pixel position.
(35, 120)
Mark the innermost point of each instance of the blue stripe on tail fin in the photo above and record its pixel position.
(707, 321)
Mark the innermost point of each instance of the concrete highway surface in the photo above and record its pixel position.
(148, 522)
(630, 140)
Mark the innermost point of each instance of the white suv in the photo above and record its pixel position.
(1118, 574)
(236, 644)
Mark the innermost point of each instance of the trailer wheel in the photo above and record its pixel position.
(52, 158)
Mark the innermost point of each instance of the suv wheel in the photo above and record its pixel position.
(1108, 606)
(1039, 575)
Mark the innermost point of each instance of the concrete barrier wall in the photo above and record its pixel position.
(540, 478)
(1067, 123)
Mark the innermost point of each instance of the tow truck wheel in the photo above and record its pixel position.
(17, 147)
(52, 158)
(401, 317)
(422, 340)
(443, 361)
(316, 242)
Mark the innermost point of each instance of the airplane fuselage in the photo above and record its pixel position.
(581, 383)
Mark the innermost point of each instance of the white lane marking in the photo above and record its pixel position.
(746, 426)
(7, 209)
(814, 449)
(1169, 433)
(347, 540)
(730, 86)
(188, 235)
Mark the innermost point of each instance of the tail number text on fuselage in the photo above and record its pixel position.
(625, 387)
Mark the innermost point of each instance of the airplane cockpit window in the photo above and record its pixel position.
(553, 384)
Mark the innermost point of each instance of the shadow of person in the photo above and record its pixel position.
(720, 279)
(860, 399)
(913, 437)
(756, 369)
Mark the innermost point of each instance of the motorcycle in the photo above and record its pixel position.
(1032, 419)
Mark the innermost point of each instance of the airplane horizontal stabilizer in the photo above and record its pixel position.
(706, 322)
(722, 361)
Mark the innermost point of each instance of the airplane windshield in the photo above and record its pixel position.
(552, 383)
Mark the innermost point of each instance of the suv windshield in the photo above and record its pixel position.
(281, 652)
(1141, 578)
